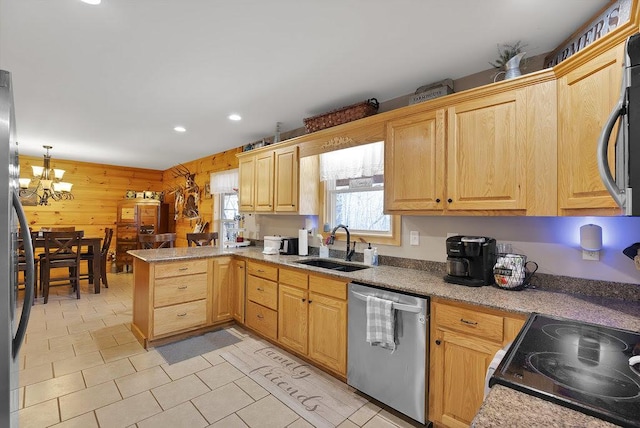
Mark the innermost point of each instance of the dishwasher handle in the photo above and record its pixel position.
(398, 306)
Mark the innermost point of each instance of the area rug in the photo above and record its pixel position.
(320, 399)
(194, 346)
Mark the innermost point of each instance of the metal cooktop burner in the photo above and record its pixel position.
(585, 336)
(578, 365)
(603, 382)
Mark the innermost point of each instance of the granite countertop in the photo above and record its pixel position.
(503, 406)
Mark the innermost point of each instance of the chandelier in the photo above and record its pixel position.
(48, 184)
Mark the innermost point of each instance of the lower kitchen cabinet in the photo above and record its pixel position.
(464, 339)
(238, 289)
(293, 317)
(262, 299)
(328, 331)
(222, 289)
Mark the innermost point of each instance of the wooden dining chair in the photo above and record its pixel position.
(61, 250)
(162, 240)
(58, 229)
(22, 263)
(104, 252)
(202, 239)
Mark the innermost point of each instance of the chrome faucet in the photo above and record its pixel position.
(332, 237)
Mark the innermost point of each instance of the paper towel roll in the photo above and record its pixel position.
(303, 242)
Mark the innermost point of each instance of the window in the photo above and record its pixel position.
(354, 190)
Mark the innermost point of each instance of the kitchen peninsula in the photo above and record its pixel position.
(153, 267)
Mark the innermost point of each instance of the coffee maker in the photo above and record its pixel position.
(470, 260)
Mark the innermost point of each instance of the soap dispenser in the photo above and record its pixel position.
(368, 255)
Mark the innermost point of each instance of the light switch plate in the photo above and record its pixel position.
(590, 255)
(414, 237)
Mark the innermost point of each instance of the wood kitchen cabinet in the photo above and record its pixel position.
(464, 339)
(264, 181)
(246, 183)
(222, 289)
(238, 289)
(293, 308)
(261, 310)
(586, 95)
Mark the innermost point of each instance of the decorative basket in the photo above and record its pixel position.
(342, 115)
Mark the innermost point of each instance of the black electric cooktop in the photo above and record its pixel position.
(578, 365)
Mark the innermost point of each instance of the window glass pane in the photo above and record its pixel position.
(229, 205)
(362, 210)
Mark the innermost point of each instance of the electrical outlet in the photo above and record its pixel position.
(414, 237)
(590, 255)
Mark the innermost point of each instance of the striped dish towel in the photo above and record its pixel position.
(381, 323)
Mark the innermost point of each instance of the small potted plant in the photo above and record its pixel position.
(508, 61)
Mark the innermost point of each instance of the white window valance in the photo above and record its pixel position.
(224, 182)
(366, 160)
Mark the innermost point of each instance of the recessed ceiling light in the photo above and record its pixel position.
(235, 117)
(180, 129)
(92, 2)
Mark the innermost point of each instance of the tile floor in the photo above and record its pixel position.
(80, 366)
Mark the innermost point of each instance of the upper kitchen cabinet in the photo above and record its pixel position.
(279, 181)
(414, 163)
(586, 96)
(500, 149)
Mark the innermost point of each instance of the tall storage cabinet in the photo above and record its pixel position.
(134, 215)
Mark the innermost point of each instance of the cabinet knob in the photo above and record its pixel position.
(310, 301)
(438, 200)
(260, 289)
(304, 300)
(184, 314)
(182, 287)
(449, 200)
(438, 342)
(260, 316)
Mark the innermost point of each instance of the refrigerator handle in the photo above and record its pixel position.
(29, 275)
(603, 162)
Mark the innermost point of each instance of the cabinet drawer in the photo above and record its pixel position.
(262, 319)
(187, 267)
(295, 278)
(262, 291)
(467, 321)
(179, 317)
(328, 286)
(169, 291)
(262, 270)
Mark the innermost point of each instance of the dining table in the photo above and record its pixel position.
(93, 245)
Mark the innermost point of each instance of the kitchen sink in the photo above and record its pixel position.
(332, 265)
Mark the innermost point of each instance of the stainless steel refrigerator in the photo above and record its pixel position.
(13, 321)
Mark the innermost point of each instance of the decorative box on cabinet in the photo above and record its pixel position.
(134, 215)
(464, 339)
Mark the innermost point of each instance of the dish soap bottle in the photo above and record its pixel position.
(375, 256)
(368, 255)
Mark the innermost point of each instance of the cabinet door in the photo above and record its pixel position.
(459, 367)
(148, 215)
(292, 318)
(264, 182)
(328, 332)
(222, 289)
(586, 97)
(486, 153)
(414, 163)
(286, 180)
(246, 179)
(238, 284)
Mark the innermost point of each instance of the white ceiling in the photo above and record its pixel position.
(108, 83)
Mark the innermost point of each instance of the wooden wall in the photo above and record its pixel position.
(203, 168)
(96, 189)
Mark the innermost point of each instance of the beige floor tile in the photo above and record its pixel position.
(269, 411)
(47, 334)
(249, 386)
(220, 403)
(52, 388)
(124, 337)
(231, 421)
(147, 360)
(85, 326)
(35, 346)
(122, 351)
(107, 372)
(301, 423)
(88, 420)
(184, 415)
(219, 375)
(76, 364)
(71, 339)
(186, 367)
(364, 414)
(35, 374)
(213, 357)
(41, 415)
(179, 391)
(34, 359)
(20, 397)
(109, 331)
(89, 399)
(97, 344)
(348, 424)
(396, 420)
(142, 381)
(378, 422)
(128, 411)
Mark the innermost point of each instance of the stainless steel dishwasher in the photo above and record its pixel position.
(399, 378)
